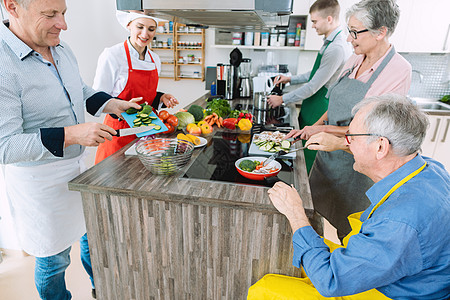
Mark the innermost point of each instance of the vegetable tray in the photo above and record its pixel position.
(129, 118)
(254, 150)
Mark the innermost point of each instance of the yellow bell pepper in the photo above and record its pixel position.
(244, 124)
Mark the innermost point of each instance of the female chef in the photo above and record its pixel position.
(129, 70)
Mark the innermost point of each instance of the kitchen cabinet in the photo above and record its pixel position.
(423, 26)
(182, 52)
(437, 139)
(301, 7)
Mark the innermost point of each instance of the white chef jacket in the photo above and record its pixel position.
(111, 75)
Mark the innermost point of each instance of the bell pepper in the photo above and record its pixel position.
(230, 123)
(245, 124)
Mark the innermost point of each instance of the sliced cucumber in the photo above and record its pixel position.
(285, 144)
(157, 127)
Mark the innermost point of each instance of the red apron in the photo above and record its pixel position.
(141, 83)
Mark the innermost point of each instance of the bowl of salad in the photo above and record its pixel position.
(251, 167)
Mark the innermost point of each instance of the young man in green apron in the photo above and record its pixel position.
(329, 61)
(398, 247)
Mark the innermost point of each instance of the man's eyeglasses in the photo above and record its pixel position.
(347, 135)
(355, 33)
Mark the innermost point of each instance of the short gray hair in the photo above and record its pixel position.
(24, 3)
(375, 14)
(396, 118)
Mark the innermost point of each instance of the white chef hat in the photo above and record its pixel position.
(125, 17)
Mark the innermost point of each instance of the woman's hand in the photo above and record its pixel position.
(287, 201)
(306, 132)
(293, 134)
(274, 100)
(169, 100)
(323, 141)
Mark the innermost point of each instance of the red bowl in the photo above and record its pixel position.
(256, 176)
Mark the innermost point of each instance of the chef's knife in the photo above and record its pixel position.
(134, 130)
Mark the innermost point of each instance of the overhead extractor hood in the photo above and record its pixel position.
(244, 15)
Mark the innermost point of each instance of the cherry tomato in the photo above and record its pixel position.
(170, 128)
(163, 115)
(172, 120)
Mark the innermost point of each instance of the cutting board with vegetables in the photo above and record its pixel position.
(151, 120)
(265, 144)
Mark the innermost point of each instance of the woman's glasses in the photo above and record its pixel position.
(355, 33)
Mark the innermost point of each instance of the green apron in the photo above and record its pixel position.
(314, 107)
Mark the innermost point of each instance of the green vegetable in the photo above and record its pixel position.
(197, 112)
(219, 106)
(248, 165)
(446, 99)
(184, 118)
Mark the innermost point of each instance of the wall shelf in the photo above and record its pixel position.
(259, 47)
(178, 36)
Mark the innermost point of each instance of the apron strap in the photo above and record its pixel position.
(380, 68)
(395, 187)
(127, 51)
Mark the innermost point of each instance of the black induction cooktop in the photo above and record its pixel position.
(216, 161)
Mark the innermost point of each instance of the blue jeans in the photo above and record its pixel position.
(49, 272)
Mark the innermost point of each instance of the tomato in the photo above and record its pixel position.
(170, 128)
(163, 115)
(172, 120)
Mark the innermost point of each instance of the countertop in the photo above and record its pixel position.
(126, 176)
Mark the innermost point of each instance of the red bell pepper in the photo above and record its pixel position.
(230, 123)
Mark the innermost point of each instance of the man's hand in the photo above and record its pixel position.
(274, 100)
(281, 79)
(288, 202)
(88, 134)
(327, 142)
(169, 100)
(117, 106)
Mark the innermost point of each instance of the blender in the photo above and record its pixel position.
(245, 71)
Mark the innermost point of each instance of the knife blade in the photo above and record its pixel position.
(134, 130)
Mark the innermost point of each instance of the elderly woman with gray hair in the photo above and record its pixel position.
(374, 69)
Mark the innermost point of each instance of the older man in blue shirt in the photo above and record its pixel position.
(399, 246)
(43, 135)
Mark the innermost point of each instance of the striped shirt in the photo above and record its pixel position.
(38, 100)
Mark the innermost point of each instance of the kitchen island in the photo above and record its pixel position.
(158, 237)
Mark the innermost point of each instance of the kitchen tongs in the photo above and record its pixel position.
(278, 154)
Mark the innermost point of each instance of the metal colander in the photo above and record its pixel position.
(164, 156)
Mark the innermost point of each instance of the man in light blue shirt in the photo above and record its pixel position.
(43, 135)
(400, 246)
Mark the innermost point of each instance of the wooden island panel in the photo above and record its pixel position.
(157, 249)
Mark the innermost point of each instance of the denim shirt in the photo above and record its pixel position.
(38, 100)
(402, 250)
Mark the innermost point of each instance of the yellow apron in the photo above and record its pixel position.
(281, 287)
